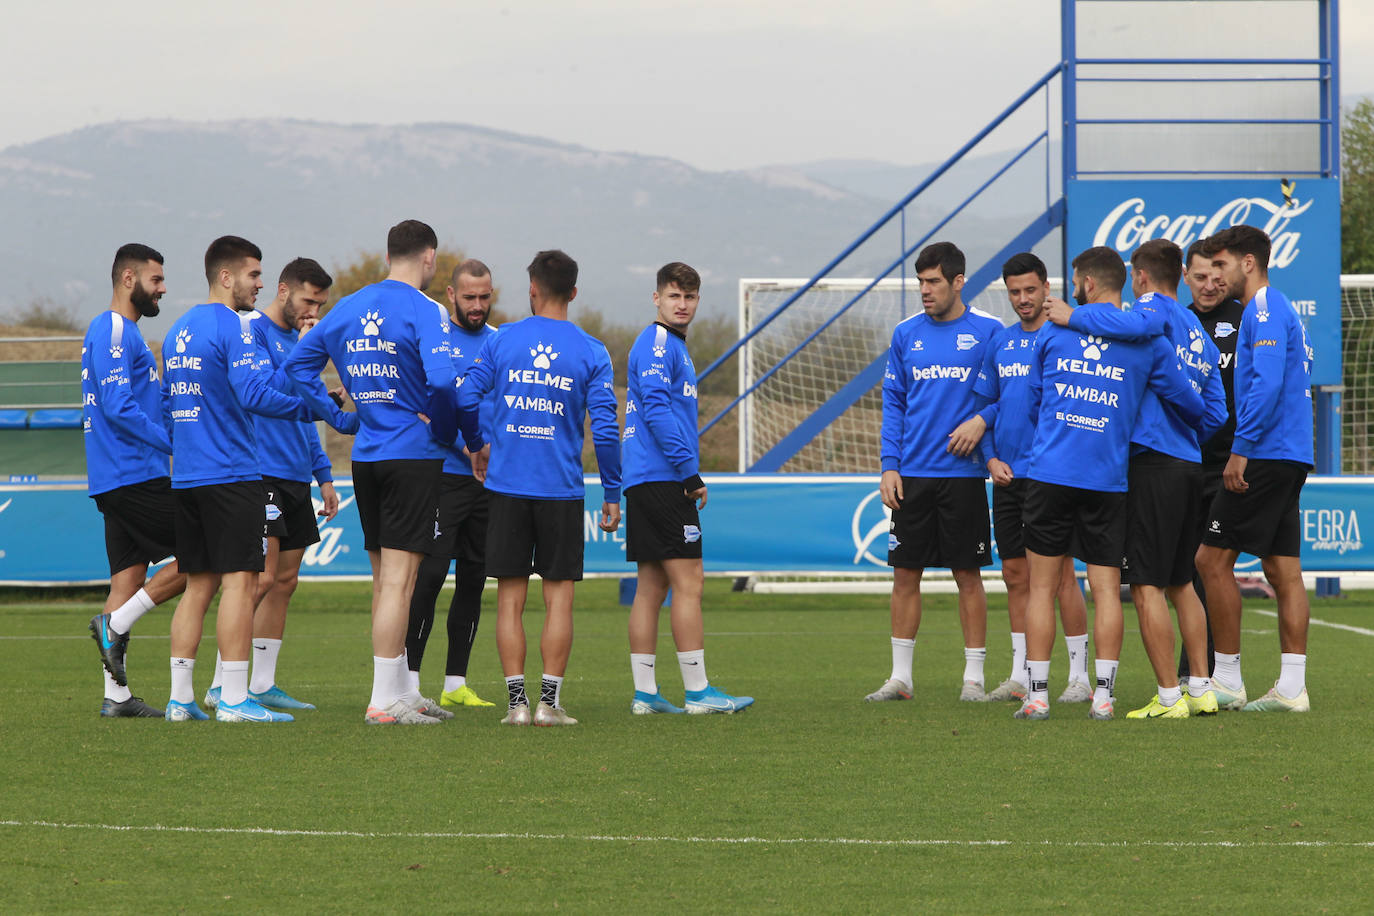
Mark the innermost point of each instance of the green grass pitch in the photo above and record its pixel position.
(810, 801)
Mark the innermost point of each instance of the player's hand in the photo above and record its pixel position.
(966, 436)
(1000, 471)
(480, 459)
(338, 395)
(1234, 475)
(698, 496)
(1057, 311)
(891, 489)
(610, 516)
(331, 502)
(424, 418)
(306, 325)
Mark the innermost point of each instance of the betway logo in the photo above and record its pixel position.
(1127, 225)
(538, 377)
(1013, 370)
(1090, 367)
(936, 372)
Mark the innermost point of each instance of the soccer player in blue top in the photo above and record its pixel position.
(1085, 393)
(211, 380)
(1257, 509)
(932, 480)
(391, 346)
(663, 494)
(549, 376)
(1003, 384)
(291, 455)
(1165, 480)
(461, 528)
(126, 467)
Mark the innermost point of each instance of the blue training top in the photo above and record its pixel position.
(287, 449)
(466, 345)
(1273, 382)
(125, 430)
(1004, 380)
(660, 439)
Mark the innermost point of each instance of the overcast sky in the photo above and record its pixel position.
(716, 83)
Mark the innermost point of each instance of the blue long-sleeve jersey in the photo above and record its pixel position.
(287, 449)
(466, 346)
(390, 344)
(1004, 382)
(1158, 426)
(1085, 393)
(126, 439)
(928, 390)
(212, 378)
(547, 375)
(1273, 382)
(660, 438)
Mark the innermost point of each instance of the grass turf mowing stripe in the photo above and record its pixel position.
(722, 840)
(1322, 623)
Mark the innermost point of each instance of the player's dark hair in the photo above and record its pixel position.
(472, 268)
(305, 270)
(944, 255)
(686, 278)
(409, 238)
(1162, 260)
(554, 273)
(132, 255)
(1104, 265)
(1195, 250)
(228, 251)
(1024, 263)
(1240, 240)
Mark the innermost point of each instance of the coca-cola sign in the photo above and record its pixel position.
(1130, 223)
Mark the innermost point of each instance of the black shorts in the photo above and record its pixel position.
(1089, 524)
(526, 535)
(941, 522)
(396, 502)
(219, 527)
(1164, 520)
(140, 523)
(461, 521)
(661, 523)
(1008, 523)
(290, 514)
(1264, 520)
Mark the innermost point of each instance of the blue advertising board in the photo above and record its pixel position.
(51, 533)
(1304, 227)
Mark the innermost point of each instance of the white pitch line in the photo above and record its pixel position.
(1323, 623)
(719, 840)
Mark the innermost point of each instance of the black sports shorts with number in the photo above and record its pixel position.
(661, 523)
(219, 527)
(542, 536)
(1264, 520)
(1008, 518)
(290, 513)
(140, 523)
(461, 523)
(396, 501)
(941, 522)
(1089, 524)
(1163, 519)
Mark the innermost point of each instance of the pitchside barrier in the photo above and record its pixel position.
(830, 525)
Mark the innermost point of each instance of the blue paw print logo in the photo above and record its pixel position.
(543, 355)
(183, 338)
(116, 351)
(372, 323)
(1195, 340)
(1093, 347)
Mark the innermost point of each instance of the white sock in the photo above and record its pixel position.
(1292, 674)
(1168, 696)
(413, 680)
(1078, 657)
(265, 652)
(384, 682)
(1018, 659)
(183, 691)
(123, 618)
(1106, 679)
(454, 682)
(113, 691)
(234, 690)
(551, 689)
(642, 667)
(1039, 687)
(973, 664)
(218, 679)
(1226, 670)
(1197, 686)
(693, 667)
(903, 651)
(405, 690)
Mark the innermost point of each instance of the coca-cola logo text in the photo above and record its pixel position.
(1128, 225)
